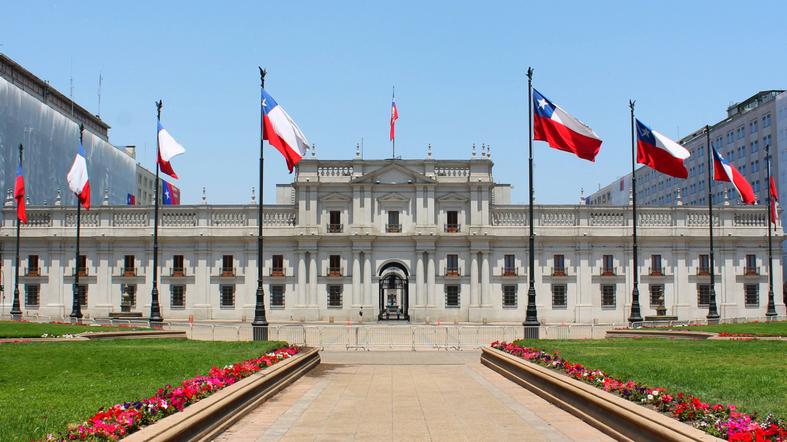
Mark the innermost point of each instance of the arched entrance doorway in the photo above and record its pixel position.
(394, 286)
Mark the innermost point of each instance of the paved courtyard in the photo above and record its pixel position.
(445, 396)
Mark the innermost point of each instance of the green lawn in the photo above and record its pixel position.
(749, 374)
(14, 329)
(44, 386)
(777, 328)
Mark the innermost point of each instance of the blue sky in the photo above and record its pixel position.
(458, 68)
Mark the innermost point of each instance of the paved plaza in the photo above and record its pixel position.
(445, 396)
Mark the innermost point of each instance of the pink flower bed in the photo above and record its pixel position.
(123, 419)
(718, 420)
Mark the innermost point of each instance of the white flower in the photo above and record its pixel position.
(650, 397)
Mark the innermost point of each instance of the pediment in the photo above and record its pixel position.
(393, 174)
(453, 197)
(393, 198)
(335, 197)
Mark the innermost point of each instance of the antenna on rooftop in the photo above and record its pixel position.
(71, 86)
(100, 79)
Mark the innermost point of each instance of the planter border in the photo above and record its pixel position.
(206, 419)
(670, 334)
(617, 417)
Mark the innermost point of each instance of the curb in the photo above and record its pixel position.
(206, 419)
(154, 334)
(673, 334)
(617, 417)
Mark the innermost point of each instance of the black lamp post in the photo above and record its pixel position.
(155, 309)
(259, 326)
(636, 315)
(76, 308)
(16, 310)
(713, 312)
(531, 323)
(771, 312)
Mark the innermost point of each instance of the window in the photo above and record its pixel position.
(559, 298)
(32, 295)
(608, 296)
(177, 265)
(277, 265)
(335, 296)
(82, 294)
(655, 265)
(656, 295)
(177, 296)
(559, 263)
(277, 296)
(703, 295)
(82, 265)
(393, 225)
(452, 266)
(32, 266)
(227, 265)
(334, 265)
(227, 296)
(766, 120)
(752, 295)
(334, 221)
(129, 269)
(452, 296)
(607, 265)
(509, 265)
(753, 126)
(751, 265)
(509, 296)
(452, 224)
(704, 265)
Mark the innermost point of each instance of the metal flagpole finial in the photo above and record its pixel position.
(631, 104)
(159, 105)
(530, 73)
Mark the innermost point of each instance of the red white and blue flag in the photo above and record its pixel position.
(171, 194)
(78, 180)
(131, 200)
(774, 200)
(660, 153)
(562, 131)
(19, 194)
(168, 148)
(281, 132)
(724, 171)
(394, 117)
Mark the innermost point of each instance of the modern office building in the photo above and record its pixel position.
(420, 240)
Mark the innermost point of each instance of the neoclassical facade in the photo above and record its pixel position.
(392, 240)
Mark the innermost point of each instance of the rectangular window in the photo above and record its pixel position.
(559, 298)
(32, 295)
(655, 265)
(608, 296)
(227, 265)
(752, 295)
(509, 265)
(277, 265)
(334, 221)
(656, 295)
(129, 268)
(177, 296)
(509, 296)
(452, 296)
(703, 295)
(82, 294)
(177, 265)
(277, 296)
(559, 263)
(452, 221)
(82, 265)
(227, 296)
(704, 265)
(32, 265)
(452, 265)
(335, 265)
(751, 265)
(335, 296)
(393, 225)
(608, 265)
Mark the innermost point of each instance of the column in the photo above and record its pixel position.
(301, 300)
(420, 295)
(312, 278)
(474, 278)
(485, 295)
(367, 279)
(431, 294)
(356, 278)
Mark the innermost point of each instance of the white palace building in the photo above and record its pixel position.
(419, 240)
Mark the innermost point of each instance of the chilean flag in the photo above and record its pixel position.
(19, 194)
(562, 131)
(281, 132)
(171, 193)
(168, 148)
(394, 117)
(660, 153)
(724, 171)
(77, 178)
(774, 200)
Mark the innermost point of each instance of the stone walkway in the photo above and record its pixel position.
(423, 396)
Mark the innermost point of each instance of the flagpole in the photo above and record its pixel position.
(16, 311)
(76, 308)
(771, 311)
(155, 309)
(393, 138)
(531, 323)
(260, 324)
(635, 315)
(713, 313)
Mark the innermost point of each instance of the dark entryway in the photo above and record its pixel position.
(394, 292)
